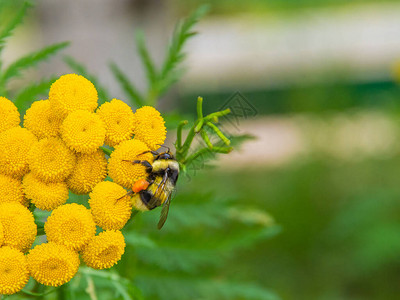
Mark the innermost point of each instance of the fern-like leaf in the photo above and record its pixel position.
(31, 92)
(127, 86)
(145, 57)
(30, 60)
(82, 70)
(181, 34)
(9, 28)
(184, 287)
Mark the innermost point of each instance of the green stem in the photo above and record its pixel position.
(179, 134)
(199, 108)
(224, 150)
(180, 155)
(206, 139)
(152, 96)
(106, 150)
(213, 117)
(219, 133)
(195, 155)
(192, 157)
(199, 125)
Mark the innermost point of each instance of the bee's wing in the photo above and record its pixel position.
(164, 212)
(159, 192)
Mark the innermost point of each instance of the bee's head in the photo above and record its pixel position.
(165, 155)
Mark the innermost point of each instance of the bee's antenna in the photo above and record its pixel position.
(169, 150)
(152, 152)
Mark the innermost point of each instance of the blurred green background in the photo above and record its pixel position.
(322, 77)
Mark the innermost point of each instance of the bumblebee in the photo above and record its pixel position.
(157, 188)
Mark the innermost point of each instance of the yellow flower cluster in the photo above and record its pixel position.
(57, 150)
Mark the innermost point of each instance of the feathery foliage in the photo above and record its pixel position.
(35, 88)
(30, 60)
(8, 29)
(128, 87)
(16, 68)
(203, 233)
(160, 80)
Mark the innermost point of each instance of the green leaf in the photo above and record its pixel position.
(31, 92)
(82, 70)
(180, 36)
(186, 287)
(145, 57)
(127, 86)
(9, 28)
(31, 60)
(182, 258)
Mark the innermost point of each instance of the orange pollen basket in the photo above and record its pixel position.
(140, 185)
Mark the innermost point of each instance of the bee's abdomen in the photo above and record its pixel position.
(146, 197)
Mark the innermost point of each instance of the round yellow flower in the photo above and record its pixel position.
(1, 234)
(121, 168)
(72, 92)
(52, 264)
(41, 120)
(149, 127)
(45, 195)
(15, 144)
(110, 208)
(18, 225)
(118, 119)
(50, 160)
(70, 225)
(83, 131)
(90, 169)
(9, 115)
(14, 274)
(11, 190)
(104, 250)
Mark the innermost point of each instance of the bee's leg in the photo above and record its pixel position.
(164, 147)
(127, 194)
(152, 152)
(144, 163)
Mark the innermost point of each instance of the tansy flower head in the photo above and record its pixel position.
(83, 131)
(121, 168)
(72, 92)
(118, 119)
(9, 115)
(52, 264)
(45, 196)
(18, 225)
(110, 208)
(11, 190)
(1, 234)
(14, 274)
(90, 169)
(41, 120)
(15, 144)
(50, 160)
(104, 250)
(71, 225)
(149, 127)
